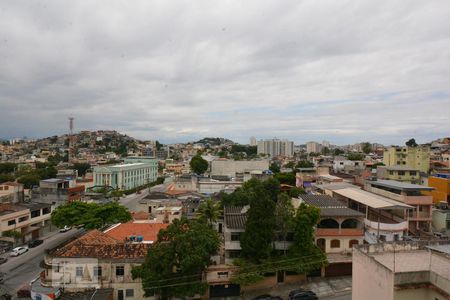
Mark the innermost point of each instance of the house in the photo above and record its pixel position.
(348, 166)
(419, 217)
(57, 191)
(441, 184)
(136, 231)
(95, 260)
(231, 168)
(235, 218)
(399, 173)
(394, 271)
(339, 228)
(11, 192)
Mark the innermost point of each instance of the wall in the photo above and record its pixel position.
(371, 280)
(418, 294)
(231, 167)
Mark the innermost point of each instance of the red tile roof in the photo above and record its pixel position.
(140, 215)
(149, 231)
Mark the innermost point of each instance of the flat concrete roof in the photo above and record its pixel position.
(401, 186)
(370, 199)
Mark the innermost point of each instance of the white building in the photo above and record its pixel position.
(229, 167)
(313, 147)
(276, 147)
(253, 141)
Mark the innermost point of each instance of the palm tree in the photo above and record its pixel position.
(209, 211)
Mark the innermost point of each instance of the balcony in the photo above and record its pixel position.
(397, 226)
(232, 245)
(339, 232)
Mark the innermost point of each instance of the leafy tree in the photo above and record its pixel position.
(175, 264)
(355, 156)
(286, 178)
(6, 178)
(294, 192)
(256, 241)
(29, 180)
(338, 151)
(198, 164)
(239, 197)
(411, 143)
(209, 211)
(7, 167)
(325, 151)
(284, 216)
(272, 188)
(306, 218)
(367, 147)
(304, 164)
(274, 168)
(158, 145)
(91, 215)
(290, 165)
(160, 180)
(81, 168)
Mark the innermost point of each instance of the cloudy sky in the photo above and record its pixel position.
(343, 71)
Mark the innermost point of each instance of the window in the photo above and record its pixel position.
(11, 222)
(120, 270)
(335, 244)
(235, 236)
(35, 213)
(129, 293)
(46, 210)
(234, 253)
(97, 271)
(391, 172)
(413, 173)
(222, 274)
(79, 272)
(401, 173)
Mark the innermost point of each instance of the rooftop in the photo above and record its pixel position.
(54, 180)
(123, 231)
(370, 199)
(330, 207)
(235, 217)
(401, 186)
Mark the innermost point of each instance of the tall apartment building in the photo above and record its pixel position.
(417, 158)
(253, 141)
(313, 147)
(276, 147)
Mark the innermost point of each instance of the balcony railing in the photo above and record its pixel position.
(339, 232)
(387, 226)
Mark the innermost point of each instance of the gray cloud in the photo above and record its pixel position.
(344, 71)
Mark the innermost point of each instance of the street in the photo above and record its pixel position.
(130, 201)
(342, 296)
(22, 269)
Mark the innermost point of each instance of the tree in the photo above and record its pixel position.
(6, 178)
(304, 164)
(325, 151)
(284, 216)
(355, 156)
(158, 145)
(338, 151)
(367, 147)
(256, 241)
(198, 164)
(7, 167)
(272, 188)
(29, 180)
(90, 215)
(274, 168)
(209, 211)
(81, 168)
(411, 143)
(306, 218)
(294, 192)
(286, 178)
(175, 264)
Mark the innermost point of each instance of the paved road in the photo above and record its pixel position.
(22, 269)
(132, 200)
(342, 296)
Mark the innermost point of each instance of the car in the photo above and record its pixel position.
(18, 251)
(34, 243)
(3, 260)
(267, 297)
(65, 228)
(302, 295)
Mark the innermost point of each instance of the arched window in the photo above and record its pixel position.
(335, 244)
(350, 223)
(352, 242)
(328, 223)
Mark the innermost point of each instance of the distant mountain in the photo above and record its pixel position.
(214, 141)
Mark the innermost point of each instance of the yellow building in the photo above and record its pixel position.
(441, 183)
(417, 158)
(399, 173)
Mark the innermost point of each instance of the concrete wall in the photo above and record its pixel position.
(231, 167)
(418, 294)
(371, 280)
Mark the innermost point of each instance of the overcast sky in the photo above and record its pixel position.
(343, 71)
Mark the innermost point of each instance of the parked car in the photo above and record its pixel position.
(34, 243)
(18, 251)
(267, 297)
(3, 260)
(65, 228)
(302, 295)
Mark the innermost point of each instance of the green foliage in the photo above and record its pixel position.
(198, 164)
(274, 168)
(304, 164)
(158, 145)
(160, 180)
(411, 143)
(29, 180)
(284, 216)
(325, 151)
(286, 178)
(272, 188)
(256, 241)
(6, 178)
(367, 147)
(355, 156)
(55, 159)
(6, 168)
(243, 151)
(81, 168)
(290, 165)
(13, 234)
(239, 197)
(91, 215)
(209, 211)
(337, 152)
(294, 192)
(175, 264)
(306, 218)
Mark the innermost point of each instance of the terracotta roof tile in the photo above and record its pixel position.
(140, 215)
(149, 231)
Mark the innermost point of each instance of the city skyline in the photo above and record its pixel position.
(179, 72)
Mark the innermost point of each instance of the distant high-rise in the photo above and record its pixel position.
(276, 147)
(253, 141)
(313, 147)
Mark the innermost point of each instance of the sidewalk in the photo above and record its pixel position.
(321, 286)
